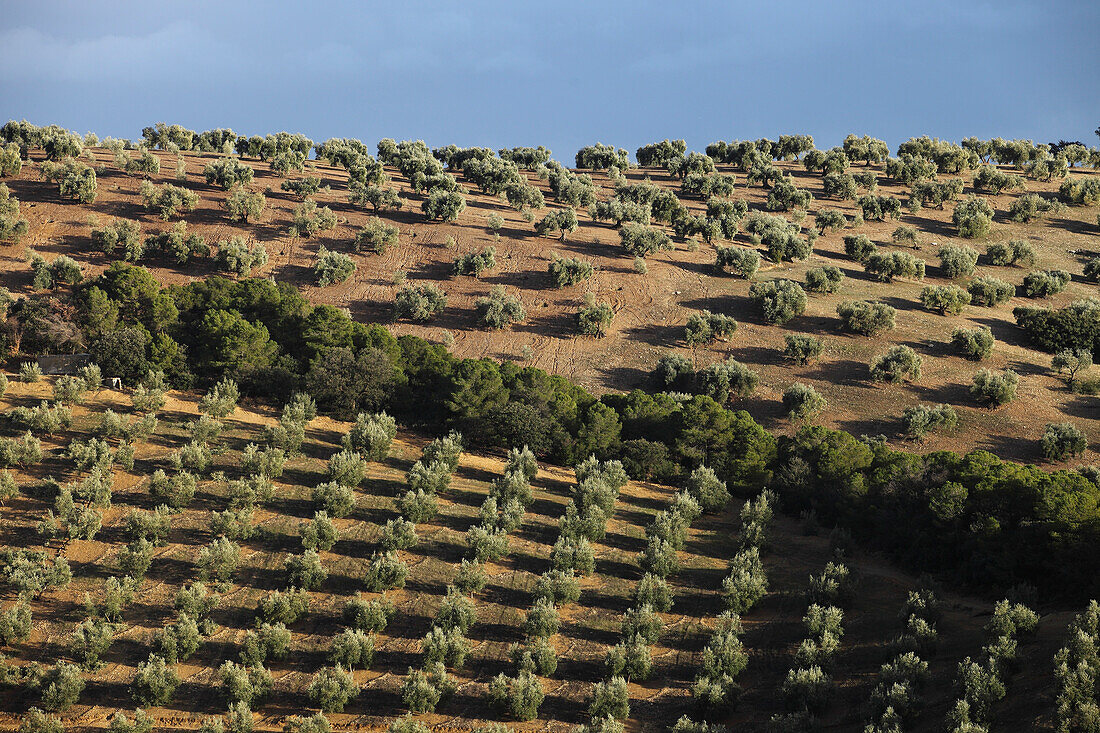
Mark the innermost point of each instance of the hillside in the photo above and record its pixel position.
(650, 309)
(589, 626)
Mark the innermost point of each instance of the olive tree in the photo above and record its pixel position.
(593, 318)
(868, 319)
(227, 173)
(332, 267)
(989, 291)
(994, 389)
(1013, 252)
(568, 271)
(824, 279)
(973, 217)
(921, 419)
(743, 262)
(946, 299)
(499, 310)
(244, 205)
(974, 344)
(1061, 441)
(419, 303)
(640, 240)
(1045, 283)
(376, 236)
(898, 364)
(802, 348)
(12, 225)
(779, 300)
(802, 401)
(562, 221)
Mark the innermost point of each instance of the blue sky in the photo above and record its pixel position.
(560, 74)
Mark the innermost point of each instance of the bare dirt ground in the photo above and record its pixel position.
(651, 309)
(589, 628)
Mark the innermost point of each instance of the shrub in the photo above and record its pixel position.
(973, 217)
(154, 683)
(824, 279)
(802, 401)
(244, 205)
(420, 303)
(989, 291)
(779, 300)
(921, 419)
(244, 684)
(897, 364)
(367, 616)
(446, 646)
(994, 389)
(705, 326)
(802, 348)
(956, 261)
(885, 266)
(974, 344)
(1061, 441)
(239, 257)
(593, 318)
(868, 319)
(566, 272)
(944, 298)
(307, 219)
(1045, 283)
(499, 310)
(859, 247)
(336, 499)
(306, 570)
